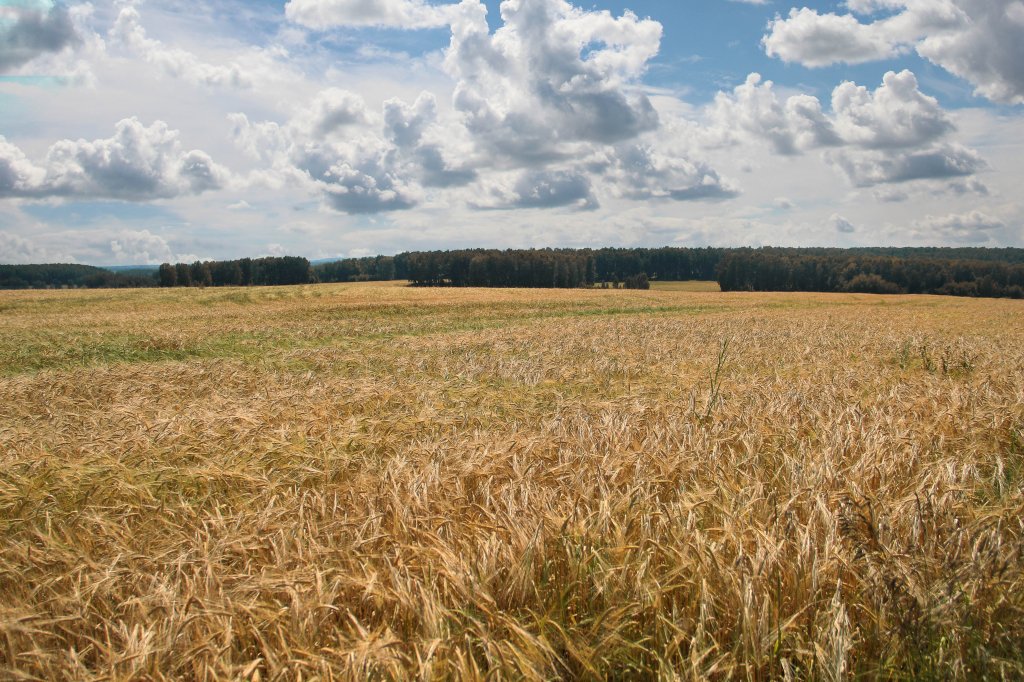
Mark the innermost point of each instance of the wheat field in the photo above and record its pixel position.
(371, 481)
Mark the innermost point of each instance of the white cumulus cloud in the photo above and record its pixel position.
(896, 114)
(140, 247)
(529, 93)
(754, 108)
(814, 39)
(981, 41)
(547, 112)
(177, 63)
(138, 163)
(893, 134)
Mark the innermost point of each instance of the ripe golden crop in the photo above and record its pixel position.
(375, 481)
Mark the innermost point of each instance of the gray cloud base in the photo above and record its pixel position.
(35, 33)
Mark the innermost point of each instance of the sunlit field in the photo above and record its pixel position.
(685, 286)
(376, 481)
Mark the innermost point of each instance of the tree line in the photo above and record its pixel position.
(532, 268)
(272, 270)
(542, 268)
(770, 270)
(946, 253)
(970, 271)
(71, 276)
(243, 272)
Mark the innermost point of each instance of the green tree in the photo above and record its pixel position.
(168, 275)
(184, 274)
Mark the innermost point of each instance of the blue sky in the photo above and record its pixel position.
(139, 132)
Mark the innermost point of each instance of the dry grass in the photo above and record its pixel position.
(695, 286)
(369, 481)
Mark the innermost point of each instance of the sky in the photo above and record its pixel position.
(145, 132)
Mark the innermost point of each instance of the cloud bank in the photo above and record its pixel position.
(547, 112)
(551, 123)
(890, 135)
(138, 163)
(977, 40)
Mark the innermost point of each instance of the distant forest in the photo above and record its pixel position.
(241, 272)
(72, 276)
(951, 271)
(244, 272)
(767, 271)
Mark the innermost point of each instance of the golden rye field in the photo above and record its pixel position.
(373, 481)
